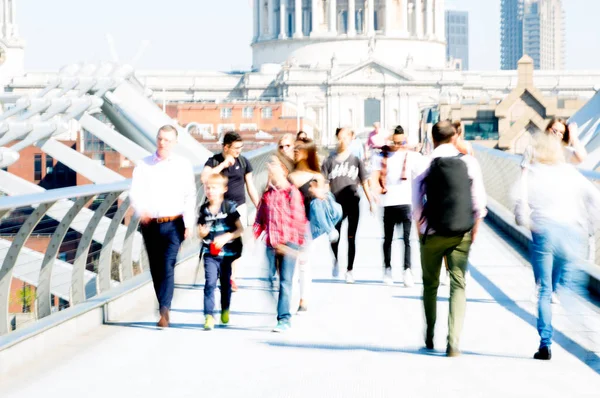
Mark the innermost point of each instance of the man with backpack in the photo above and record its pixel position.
(449, 202)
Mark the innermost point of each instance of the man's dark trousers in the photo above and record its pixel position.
(163, 241)
(392, 216)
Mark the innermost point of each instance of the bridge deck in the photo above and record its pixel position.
(356, 340)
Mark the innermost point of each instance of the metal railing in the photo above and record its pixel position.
(502, 170)
(62, 247)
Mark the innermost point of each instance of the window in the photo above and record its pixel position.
(98, 157)
(223, 128)
(359, 21)
(372, 108)
(226, 113)
(267, 113)
(248, 127)
(487, 130)
(37, 167)
(94, 144)
(306, 22)
(343, 22)
(290, 24)
(200, 129)
(49, 164)
(248, 112)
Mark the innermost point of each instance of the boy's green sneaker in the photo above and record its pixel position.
(209, 323)
(225, 317)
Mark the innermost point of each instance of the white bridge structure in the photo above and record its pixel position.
(74, 97)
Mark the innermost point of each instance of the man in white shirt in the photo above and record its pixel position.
(393, 171)
(163, 195)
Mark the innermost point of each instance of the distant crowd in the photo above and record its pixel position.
(439, 189)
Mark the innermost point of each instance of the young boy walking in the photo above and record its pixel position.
(220, 228)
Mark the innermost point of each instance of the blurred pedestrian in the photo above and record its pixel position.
(393, 171)
(281, 217)
(344, 173)
(555, 201)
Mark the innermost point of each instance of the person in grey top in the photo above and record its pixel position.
(344, 173)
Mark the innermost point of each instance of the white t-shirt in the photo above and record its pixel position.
(399, 192)
(556, 194)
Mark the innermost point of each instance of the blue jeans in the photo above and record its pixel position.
(217, 267)
(287, 264)
(553, 249)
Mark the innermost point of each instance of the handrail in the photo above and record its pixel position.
(53, 195)
(501, 171)
(112, 250)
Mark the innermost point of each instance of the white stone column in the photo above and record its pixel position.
(429, 18)
(5, 33)
(370, 17)
(418, 18)
(440, 20)
(389, 17)
(13, 9)
(403, 17)
(272, 22)
(351, 18)
(282, 19)
(315, 12)
(333, 17)
(298, 18)
(256, 20)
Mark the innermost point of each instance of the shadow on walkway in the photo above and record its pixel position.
(469, 300)
(242, 313)
(367, 282)
(584, 355)
(372, 348)
(188, 326)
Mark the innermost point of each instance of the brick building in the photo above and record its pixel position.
(207, 122)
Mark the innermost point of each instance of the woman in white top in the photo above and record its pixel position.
(555, 201)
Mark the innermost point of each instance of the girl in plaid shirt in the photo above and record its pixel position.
(281, 217)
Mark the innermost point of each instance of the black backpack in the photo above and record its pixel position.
(448, 207)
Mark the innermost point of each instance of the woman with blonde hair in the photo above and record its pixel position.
(285, 145)
(554, 201)
(308, 179)
(574, 152)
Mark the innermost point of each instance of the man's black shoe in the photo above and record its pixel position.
(543, 353)
(429, 344)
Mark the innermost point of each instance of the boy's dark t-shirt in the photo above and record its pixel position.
(220, 224)
(344, 177)
(236, 175)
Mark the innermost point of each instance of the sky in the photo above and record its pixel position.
(216, 34)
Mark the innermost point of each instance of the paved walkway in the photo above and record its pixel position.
(362, 340)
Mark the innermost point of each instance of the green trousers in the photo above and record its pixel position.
(456, 252)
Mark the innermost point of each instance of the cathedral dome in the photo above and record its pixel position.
(392, 31)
